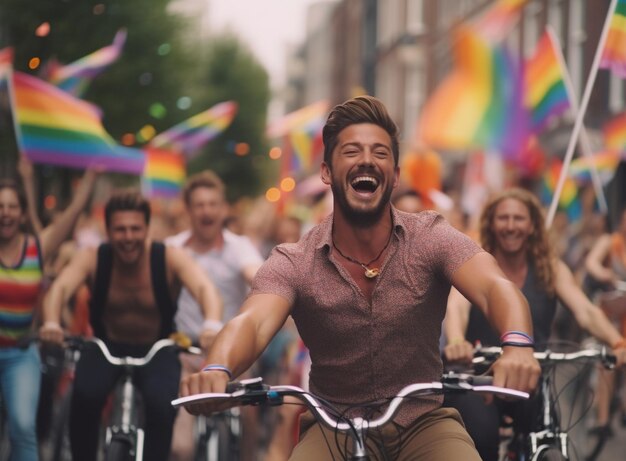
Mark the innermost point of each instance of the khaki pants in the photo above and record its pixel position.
(436, 436)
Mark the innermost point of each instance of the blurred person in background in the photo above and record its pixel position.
(230, 261)
(512, 229)
(23, 255)
(606, 265)
(134, 284)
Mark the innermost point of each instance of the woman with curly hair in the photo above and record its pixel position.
(512, 229)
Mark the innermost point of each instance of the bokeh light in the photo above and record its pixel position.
(34, 63)
(272, 194)
(128, 139)
(146, 133)
(145, 78)
(242, 148)
(183, 103)
(164, 49)
(43, 29)
(50, 202)
(287, 184)
(275, 153)
(157, 110)
(98, 9)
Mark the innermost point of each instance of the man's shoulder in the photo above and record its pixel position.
(178, 240)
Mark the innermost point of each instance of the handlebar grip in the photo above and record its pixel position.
(482, 380)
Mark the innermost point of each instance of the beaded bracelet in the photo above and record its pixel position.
(216, 367)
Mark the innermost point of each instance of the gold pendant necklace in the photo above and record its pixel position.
(370, 272)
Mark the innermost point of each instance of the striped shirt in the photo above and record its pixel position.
(20, 288)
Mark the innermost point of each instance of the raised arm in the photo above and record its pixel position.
(481, 281)
(457, 348)
(61, 290)
(594, 262)
(193, 277)
(53, 235)
(25, 168)
(237, 346)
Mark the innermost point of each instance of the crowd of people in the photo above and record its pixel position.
(380, 292)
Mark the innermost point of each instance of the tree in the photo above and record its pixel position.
(160, 64)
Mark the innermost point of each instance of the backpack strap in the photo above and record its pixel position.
(100, 289)
(160, 288)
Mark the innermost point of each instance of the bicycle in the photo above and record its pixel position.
(254, 392)
(218, 436)
(547, 440)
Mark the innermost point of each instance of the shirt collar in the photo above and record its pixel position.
(326, 228)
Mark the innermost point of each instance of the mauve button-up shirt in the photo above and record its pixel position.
(361, 350)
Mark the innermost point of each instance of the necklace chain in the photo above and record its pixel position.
(369, 272)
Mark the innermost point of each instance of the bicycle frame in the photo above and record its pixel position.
(254, 392)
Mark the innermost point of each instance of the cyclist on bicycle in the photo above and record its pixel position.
(512, 228)
(134, 283)
(230, 261)
(606, 264)
(367, 289)
(22, 256)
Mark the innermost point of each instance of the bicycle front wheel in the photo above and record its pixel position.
(118, 450)
(547, 453)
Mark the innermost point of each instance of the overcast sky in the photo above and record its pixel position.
(268, 27)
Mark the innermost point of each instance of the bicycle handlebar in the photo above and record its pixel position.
(254, 392)
(487, 354)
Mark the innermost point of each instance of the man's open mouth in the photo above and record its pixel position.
(364, 184)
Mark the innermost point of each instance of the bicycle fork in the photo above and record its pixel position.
(125, 424)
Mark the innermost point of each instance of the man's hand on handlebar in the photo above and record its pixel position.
(212, 381)
(459, 351)
(51, 332)
(516, 368)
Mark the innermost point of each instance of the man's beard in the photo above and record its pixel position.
(361, 218)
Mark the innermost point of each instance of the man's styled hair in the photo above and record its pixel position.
(538, 245)
(362, 109)
(126, 200)
(206, 178)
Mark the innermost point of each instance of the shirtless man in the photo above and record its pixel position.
(134, 285)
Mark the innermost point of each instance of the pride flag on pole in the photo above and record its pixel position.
(614, 132)
(546, 94)
(164, 173)
(55, 128)
(499, 19)
(614, 52)
(75, 77)
(189, 136)
(480, 105)
(6, 64)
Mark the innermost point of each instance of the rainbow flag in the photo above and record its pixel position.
(614, 132)
(301, 135)
(6, 64)
(480, 105)
(75, 77)
(614, 52)
(499, 19)
(55, 128)
(164, 173)
(605, 163)
(568, 200)
(189, 136)
(546, 94)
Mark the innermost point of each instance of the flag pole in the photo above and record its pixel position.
(580, 115)
(584, 141)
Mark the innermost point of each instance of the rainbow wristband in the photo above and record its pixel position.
(517, 339)
(216, 367)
